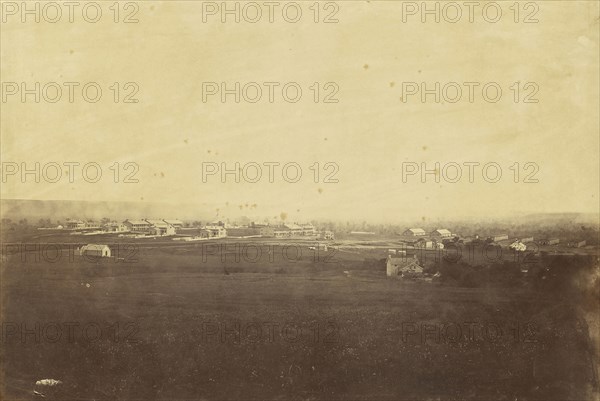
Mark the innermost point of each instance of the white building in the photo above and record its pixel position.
(137, 226)
(74, 224)
(177, 224)
(308, 230)
(160, 227)
(214, 231)
(102, 251)
(441, 233)
(114, 226)
(415, 232)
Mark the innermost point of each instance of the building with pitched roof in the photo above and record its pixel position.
(102, 251)
(403, 266)
(441, 233)
(414, 232)
(177, 224)
(137, 226)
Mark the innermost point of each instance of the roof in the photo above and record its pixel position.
(403, 261)
(155, 221)
(292, 226)
(442, 231)
(416, 230)
(137, 222)
(95, 247)
(174, 222)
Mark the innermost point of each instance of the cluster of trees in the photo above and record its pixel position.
(10, 223)
(555, 274)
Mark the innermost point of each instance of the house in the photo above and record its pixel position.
(577, 244)
(177, 224)
(277, 232)
(114, 226)
(213, 232)
(527, 239)
(74, 224)
(550, 241)
(137, 226)
(308, 230)
(441, 233)
(205, 233)
(286, 231)
(403, 266)
(218, 223)
(102, 251)
(92, 224)
(294, 229)
(154, 223)
(414, 232)
(158, 227)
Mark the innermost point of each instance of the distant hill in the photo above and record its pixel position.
(61, 210)
(553, 218)
(33, 210)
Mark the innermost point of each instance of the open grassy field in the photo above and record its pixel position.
(180, 323)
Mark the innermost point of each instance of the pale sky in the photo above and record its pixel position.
(368, 134)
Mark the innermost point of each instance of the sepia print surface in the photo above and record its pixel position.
(300, 200)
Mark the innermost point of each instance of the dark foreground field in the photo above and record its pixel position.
(173, 326)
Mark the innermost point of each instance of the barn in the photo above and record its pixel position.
(102, 251)
(414, 232)
(441, 233)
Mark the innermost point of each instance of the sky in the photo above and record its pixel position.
(368, 142)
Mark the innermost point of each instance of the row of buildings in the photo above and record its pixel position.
(160, 227)
(167, 227)
(293, 230)
(418, 235)
(148, 226)
(419, 232)
(144, 226)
